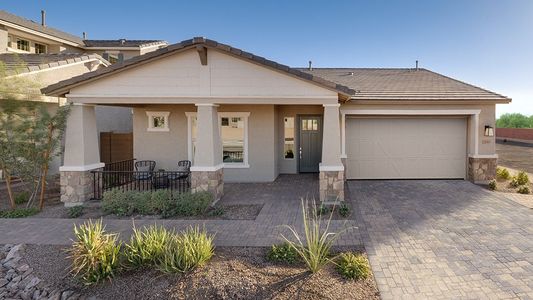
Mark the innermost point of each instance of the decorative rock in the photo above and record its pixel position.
(18, 282)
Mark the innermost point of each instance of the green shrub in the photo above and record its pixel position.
(22, 197)
(94, 253)
(193, 204)
(492, 185)
(315, 244)
(522, 178)
(19, 213)
(502, 173)
(117, 202)
(162, 202)
(344, 210)
(75, 211)
(282, 253)
(523, 190)
(186, 251)
(141, 203)
(353, 266)
(146, 246)
(322, 210)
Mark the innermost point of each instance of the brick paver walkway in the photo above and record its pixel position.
(281, 206)
(445, 240)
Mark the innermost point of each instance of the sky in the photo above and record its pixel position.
(486, 43)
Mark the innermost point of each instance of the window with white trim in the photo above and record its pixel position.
(233, 135)
(158, 120)
(288, 139)
(23, 45)
(40, 48)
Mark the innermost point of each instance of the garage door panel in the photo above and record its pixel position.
(393, 148)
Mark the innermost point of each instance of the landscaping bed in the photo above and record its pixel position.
(93, 210)
(232, 273)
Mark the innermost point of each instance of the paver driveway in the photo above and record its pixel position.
(444, 239)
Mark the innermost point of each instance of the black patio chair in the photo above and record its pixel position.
(144, 169)
(183, 171)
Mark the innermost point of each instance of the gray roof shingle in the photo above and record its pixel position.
(11, 18)
(122, 43)
(402, 84)
(23, 63)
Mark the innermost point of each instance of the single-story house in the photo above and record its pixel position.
(243, 118)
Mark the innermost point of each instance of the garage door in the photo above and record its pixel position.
(402, 148)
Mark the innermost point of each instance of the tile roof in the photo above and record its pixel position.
(62, 86)
(11, 18)
(402, 84)
(122, 43)
(22, 63)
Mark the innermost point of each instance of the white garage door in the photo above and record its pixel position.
(394, 148)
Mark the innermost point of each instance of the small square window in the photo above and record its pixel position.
(40, 48)
(157, 121)
(23, 45)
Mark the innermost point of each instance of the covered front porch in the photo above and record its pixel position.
(224, 143)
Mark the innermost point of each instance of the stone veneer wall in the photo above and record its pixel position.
(331, 186)
(211, 181)
(76, 187)
(481, 170)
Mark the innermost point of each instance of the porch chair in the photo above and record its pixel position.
(183, 171)
(146, 167)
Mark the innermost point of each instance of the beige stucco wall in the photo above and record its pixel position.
(127, 53)
(180, 77)
(487, 116)
(167, 148)
(3, 39)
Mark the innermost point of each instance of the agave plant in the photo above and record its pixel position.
(315, 244)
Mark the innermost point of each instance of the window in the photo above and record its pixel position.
(233, 135)
(310, 124)
(112, 58)
(40, 48)
(157, 121)
(288, 147)
(23, 45)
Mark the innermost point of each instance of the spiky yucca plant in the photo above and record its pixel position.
(315, 244)
(94, 253)
(186, 251)
(146, 245)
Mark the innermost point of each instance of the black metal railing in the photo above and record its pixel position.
(141, 181)
(122, 165)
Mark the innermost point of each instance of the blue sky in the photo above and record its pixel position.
(486, 43)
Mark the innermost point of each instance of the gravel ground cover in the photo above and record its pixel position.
(233, 273)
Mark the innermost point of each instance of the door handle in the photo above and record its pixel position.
(300, 152)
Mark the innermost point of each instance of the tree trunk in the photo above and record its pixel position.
(45, 166)
(9, 191)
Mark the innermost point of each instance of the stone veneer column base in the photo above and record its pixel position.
(481, 170)
(211, 181)
(76, 187)
(331, 186)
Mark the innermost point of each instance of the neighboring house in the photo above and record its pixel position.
(45, 69)
(242, 118)
(19, 35)
(48, 55)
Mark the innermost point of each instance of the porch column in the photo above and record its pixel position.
(331, 167)
(81, 156)
(207, 172)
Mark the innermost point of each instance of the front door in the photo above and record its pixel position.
(310, 151)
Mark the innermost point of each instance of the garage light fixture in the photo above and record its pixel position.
(489, 131)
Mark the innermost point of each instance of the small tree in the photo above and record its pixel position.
(30, 135)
